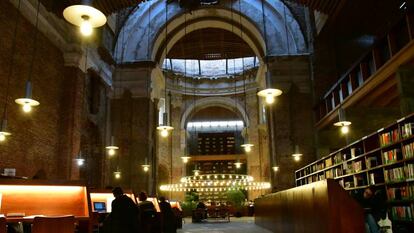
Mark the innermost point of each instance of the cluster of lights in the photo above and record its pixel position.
(215, 124)
(215, 183)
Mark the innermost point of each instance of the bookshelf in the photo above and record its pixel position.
(384, 158)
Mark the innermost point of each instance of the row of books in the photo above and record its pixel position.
(395, 174)
(338, 158)
(389, 137)
(407, 130)
(401, 193)
(402, 213)
(408, 151)
(390, 156)
(328, 162)
(409, 171)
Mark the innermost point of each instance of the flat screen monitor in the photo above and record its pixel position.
(99, 207)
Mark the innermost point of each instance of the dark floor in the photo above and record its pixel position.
(236, 225)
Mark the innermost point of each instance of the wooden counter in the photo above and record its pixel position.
(322, 207)
(29, 198)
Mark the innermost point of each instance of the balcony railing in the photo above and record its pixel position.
(399, 36)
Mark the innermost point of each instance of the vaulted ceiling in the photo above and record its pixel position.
(210, 44)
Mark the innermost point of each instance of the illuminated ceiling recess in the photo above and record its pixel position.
(215, 183)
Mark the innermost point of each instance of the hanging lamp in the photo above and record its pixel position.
(111, 149)
(271, 91)
(27, 102)
(342, 122)
(246, 145)
(185, 158)
(4, 133)
(275, 168)
(117, 173)
(296, 154)
(85, 16)
(80, 160)
(165, 127)
(145, 166)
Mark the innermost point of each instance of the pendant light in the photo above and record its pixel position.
(117, 173)
(111, 149)
(27, 102)
(275, 168)
(246, 145)
(196, 171)
(185, 158)
(296, 154)
(80, 160)
(4, 133)
(270, 92)
(85, 16)
(342, 122)
(145, 166)
(166, 127)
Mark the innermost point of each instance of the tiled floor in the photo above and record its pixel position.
(236, 225)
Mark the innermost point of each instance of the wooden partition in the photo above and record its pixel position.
(322, 207)
(106, 196)
(35, 197)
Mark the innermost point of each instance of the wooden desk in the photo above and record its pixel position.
(47, 198)
(106, 196)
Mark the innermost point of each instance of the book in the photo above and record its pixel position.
(372, 162)
(389, 137)
(407, 130)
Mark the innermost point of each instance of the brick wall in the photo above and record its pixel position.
(35, 141)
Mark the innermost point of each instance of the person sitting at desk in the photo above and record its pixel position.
(373, 203)
(168, 217)
(147, 211)
(124, 217)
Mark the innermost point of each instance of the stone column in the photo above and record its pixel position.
(71, 117)
(134, 117)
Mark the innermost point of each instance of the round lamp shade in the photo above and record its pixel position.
(27, 101)
(270, 92)
(77, 14)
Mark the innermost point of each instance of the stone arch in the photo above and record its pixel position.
(140, 37)
(224, 102)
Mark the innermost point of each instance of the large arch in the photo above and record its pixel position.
(144, 30)
(224, 102)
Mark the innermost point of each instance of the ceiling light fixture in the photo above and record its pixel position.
(270, 92)
(342, 122)
(27, 102)
(85, 16)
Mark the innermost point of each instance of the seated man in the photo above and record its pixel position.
(124, 217)
(375, 209)
(148, 212)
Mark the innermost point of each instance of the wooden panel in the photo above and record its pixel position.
(60, 224)
(43, 199)
(322, 207)
(3, 225)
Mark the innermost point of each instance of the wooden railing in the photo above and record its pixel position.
(399, 37)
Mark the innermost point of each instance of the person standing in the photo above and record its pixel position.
(148, 213)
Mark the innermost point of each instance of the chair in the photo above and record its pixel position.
(3, 228)
(64, 224)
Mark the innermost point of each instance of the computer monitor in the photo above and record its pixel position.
(99, 207)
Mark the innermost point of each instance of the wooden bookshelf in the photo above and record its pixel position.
(384, 158)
